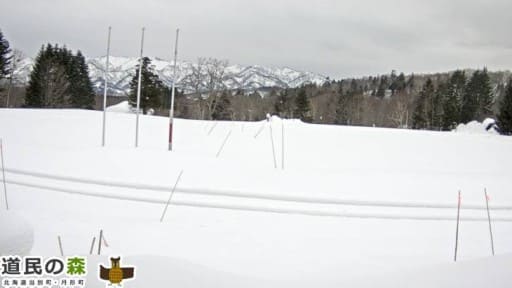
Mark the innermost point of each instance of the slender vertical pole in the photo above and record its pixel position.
(170, 196)
(3, 174)
(259, 131)
(92, 245)
(105, 88)
(171, 110)
(60, 246)
(223, 143)
(213, 127)
(282, 144)
(273, 149)
(489, 218)
(457, 229)
(138, 90)
(99, 242)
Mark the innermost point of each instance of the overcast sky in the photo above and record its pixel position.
(337, 38)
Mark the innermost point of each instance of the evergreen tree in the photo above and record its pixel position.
(436, 109)
(453, 100)
(354, 88)
(222, 110)
(505, 114)
(478, 98)
(420, 118)
(383, 86)
(398, 84)
(283, 104)
(410, 85)
(59, 79)
(485, 97)
(152, 88)
(82, 93)
(5, 58)
(343, 107)
(48, 84)
(302, 106)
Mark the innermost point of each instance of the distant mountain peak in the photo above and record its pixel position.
(121, 70)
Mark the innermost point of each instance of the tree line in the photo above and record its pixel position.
(60, 79)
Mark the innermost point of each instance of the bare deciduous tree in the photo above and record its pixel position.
(215, 74)
(207, 80)
(399, 114)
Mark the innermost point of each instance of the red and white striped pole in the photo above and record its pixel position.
(171, 110)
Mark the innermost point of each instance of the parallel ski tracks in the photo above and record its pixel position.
(314, 201)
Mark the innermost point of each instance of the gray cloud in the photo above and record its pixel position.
(335, 38)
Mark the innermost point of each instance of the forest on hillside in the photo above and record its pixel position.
(440, 101)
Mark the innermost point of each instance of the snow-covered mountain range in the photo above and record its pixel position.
(122, 69)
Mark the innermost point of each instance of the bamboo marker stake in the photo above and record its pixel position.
(223, 143)
(273, 148)
(170, 196)
(99, 242)
(259, 131)
(282, 144)
(213, 127)
(92, 245)
(457, 229)
(60, 246)
(489, 218)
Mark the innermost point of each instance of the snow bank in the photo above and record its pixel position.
(217, 230)
(16, 234)
(122, 107)
(485, 272)
(488, 126)
(161, 271)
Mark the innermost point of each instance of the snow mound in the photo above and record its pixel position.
(123, 107)
(488, 126)
(16, 234)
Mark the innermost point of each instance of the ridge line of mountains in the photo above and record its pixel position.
(122, 69)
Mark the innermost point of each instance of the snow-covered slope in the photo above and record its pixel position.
(122, 70)
(271, 204)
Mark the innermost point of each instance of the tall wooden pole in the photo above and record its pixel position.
(489, 218)
(171, 110)
(457, 229)
(105, 88)
(138, 90)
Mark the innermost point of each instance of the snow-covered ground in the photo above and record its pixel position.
(339, 206)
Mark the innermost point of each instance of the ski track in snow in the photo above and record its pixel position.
(258, 208)
(353, 203)
(247, 194)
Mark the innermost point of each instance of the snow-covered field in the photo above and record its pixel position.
(345, 207)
